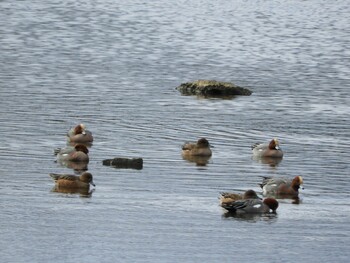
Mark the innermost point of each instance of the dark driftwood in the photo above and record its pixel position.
(212, 88)
(133, 163)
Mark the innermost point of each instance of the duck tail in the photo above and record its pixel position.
(56, 151)
(54, 176)
(254, 145)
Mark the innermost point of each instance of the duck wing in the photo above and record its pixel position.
(63, 176)
(188, 146)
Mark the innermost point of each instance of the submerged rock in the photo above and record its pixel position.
(133, 163)
(212, 88)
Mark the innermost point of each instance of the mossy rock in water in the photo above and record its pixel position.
(118, 162)
(212, 88)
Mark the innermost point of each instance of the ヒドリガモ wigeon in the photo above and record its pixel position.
(77, 153)
(200, 148)
(252, 206)
(231, 197)
(271, 149)
(281, 187)
(73, 181)
(79, 134)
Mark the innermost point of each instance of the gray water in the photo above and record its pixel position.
(114, 66)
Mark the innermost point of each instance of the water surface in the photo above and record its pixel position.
(114, 66)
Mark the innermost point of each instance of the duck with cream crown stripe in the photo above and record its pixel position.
(79, 134)
(78, 153)
(281, 187)
(271, 149)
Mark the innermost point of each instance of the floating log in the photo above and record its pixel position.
(118, 162)
(212, 88)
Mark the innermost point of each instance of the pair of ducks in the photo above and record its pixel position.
(249, 202)
(79, 137)
(272, 187)
(261, 150)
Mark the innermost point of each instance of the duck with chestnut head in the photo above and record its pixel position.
(77, 153)
(271, 149)
(282, 187)
(79, 134)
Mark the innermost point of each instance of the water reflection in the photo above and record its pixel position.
(253, 218)
(224, 97)
(293, 200)
(82, 192)
(273, 162)
(198, 160)
(78, 167)
(87, 144)
(113, 66)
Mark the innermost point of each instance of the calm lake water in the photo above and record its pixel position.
(114, 66)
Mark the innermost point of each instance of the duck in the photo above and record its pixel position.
(79, 134)
(200, 148)
(271, 150)
(231, 197)
(252, 206)
(69, 181)
(281, 187)
(77, 153)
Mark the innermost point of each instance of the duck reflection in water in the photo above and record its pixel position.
(81, 192)
(87, 144)
(198, 160)
(270, 217)
(273, 162)
(78, 167)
